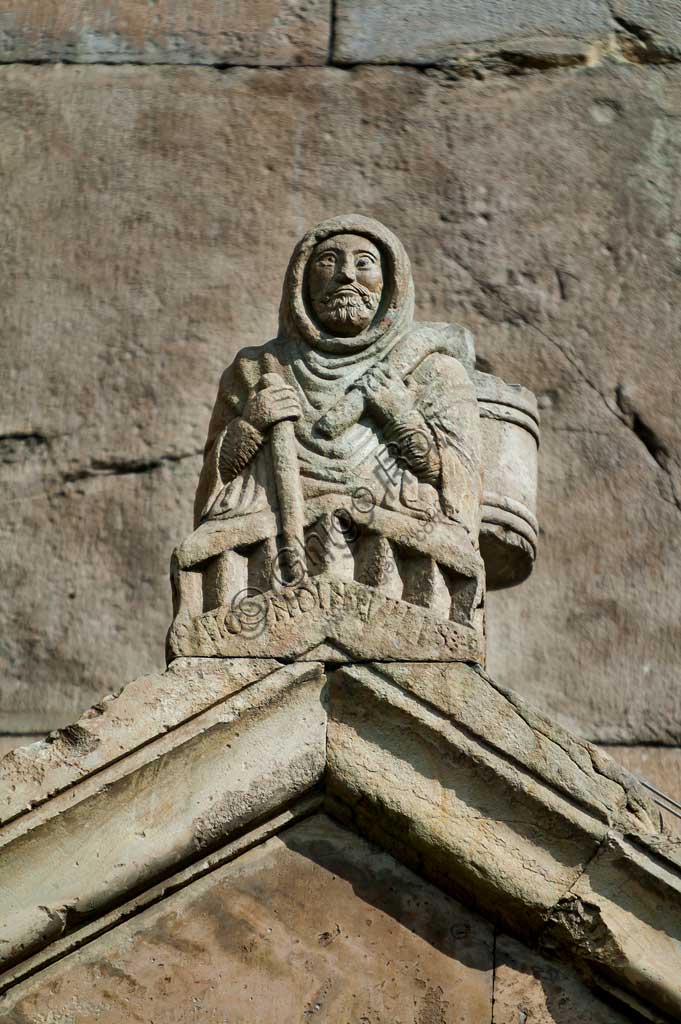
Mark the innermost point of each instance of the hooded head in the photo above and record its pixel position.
(348, 288)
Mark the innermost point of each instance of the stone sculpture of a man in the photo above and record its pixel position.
(346, 454)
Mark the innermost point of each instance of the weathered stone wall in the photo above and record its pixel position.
(527, 154)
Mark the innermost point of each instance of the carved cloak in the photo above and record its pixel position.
(322, 368)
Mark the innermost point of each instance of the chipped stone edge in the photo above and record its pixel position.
(120, 724)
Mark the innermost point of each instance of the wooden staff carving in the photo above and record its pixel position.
(289, 489)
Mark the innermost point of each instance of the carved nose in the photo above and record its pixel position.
(346, 270)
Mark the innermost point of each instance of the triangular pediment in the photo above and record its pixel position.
(311, 921)
(453, 776)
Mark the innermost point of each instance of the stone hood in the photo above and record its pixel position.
(450, 774)
(393, 317)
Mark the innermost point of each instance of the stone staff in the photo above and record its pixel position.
(289, 488)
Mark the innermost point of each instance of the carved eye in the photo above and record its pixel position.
(364, 263)
(327, 259)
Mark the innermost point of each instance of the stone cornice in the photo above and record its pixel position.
(452, 774)
(138, 817)
(509, 812)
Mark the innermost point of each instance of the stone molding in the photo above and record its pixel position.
(139, 815)
(145, 709)
(536, 829)
(451, 773)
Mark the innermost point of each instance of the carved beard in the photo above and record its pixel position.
(357, 308)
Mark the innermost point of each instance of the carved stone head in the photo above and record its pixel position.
(345, 283)
(348, 289)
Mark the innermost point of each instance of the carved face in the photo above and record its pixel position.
(345, 282)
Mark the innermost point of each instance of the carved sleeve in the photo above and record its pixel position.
(241, 441)
(414, 441)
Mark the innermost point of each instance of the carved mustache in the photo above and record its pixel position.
(349, 292)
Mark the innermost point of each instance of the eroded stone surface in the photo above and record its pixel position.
(544, 218)
(443, 748)
(448, 771)
(145, 709)
(621, 905)
(500, 822)
(499, 716)
(529, 988)
(316, 923)
(208, 32)
(426, 32)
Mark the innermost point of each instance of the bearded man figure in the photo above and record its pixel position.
(338, 509)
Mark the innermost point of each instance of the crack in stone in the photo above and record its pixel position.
(631, 28)
(122, 467)
(97, 468)
(644, 432)
(569, 891)
(333, 16)
(17, 446)
(178, 65)
(621, 408)
(643, 46)
(653, 444)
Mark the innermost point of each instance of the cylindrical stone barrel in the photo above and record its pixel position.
(510, 442)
